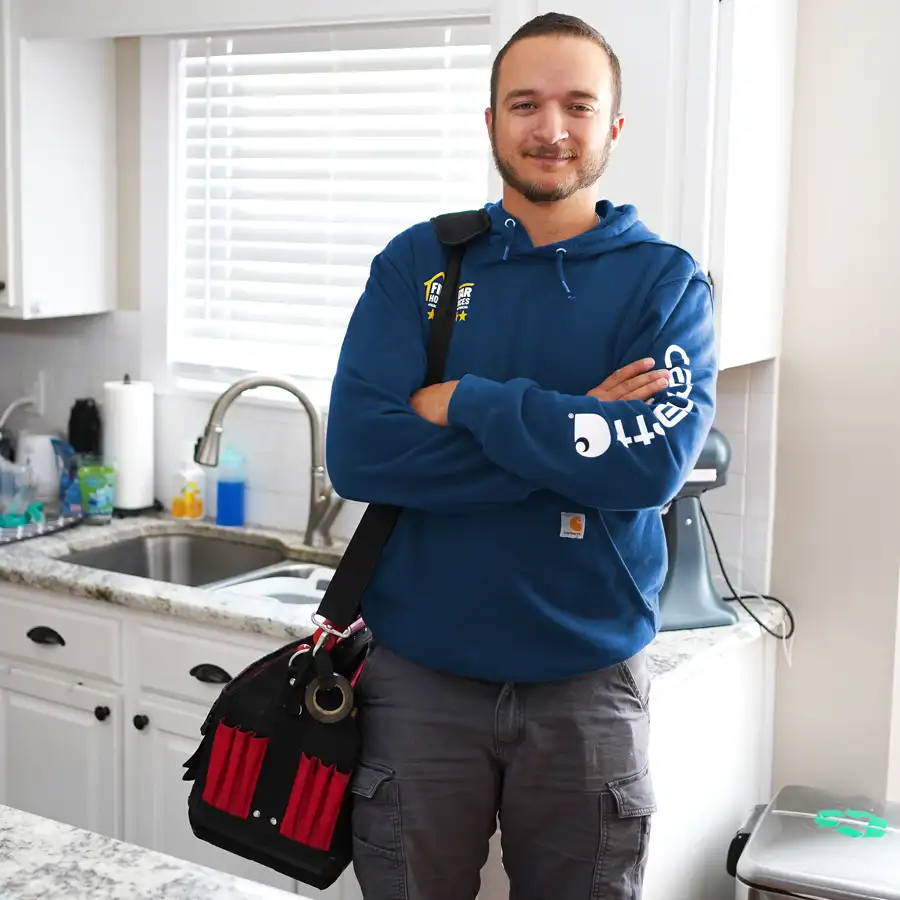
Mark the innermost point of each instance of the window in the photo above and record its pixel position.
(299, 155)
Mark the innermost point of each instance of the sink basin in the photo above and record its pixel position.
(192, 560)
(300, 583)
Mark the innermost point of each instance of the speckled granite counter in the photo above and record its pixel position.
(44, 860)
(35, 563)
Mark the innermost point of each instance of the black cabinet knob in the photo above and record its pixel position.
(141, 722)
(210, 674)
(102, 713)
(41, 634)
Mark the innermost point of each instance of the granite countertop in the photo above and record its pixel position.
(35, 563)
(40, 858)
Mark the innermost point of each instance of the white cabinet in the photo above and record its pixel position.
(705, 154)
(58, 174)
(101, 706)
(61, 749)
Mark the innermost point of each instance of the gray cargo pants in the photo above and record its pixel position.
(563, 764)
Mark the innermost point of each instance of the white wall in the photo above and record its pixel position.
(837, 530)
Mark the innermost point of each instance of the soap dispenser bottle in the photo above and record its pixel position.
(189, 494)
(232, 488)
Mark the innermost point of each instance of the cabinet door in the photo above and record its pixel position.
(156, 797)
(60, 749)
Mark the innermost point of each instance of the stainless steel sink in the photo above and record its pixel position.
(187, 559)
(290, 582)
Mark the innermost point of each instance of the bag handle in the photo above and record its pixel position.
(341, 604)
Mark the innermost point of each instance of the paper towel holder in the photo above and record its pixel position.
(145, 503)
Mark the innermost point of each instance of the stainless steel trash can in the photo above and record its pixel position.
(817, 845)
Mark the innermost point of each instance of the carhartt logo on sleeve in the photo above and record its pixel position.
(572, 525)
(593, 435)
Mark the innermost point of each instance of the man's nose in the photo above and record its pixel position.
(551, 125)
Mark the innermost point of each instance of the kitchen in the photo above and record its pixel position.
(700, 151)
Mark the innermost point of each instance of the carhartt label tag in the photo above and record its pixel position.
(572, 525)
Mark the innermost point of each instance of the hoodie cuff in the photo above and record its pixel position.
(472, 398)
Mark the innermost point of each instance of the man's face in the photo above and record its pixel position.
(551, 135)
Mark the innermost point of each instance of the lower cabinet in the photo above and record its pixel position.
(96, 724)
(61, 749)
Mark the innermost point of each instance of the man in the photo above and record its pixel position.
(513, 604)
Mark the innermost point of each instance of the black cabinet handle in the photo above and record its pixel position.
(141, 722)
(101, 712)
(210, 674)
(41, 634)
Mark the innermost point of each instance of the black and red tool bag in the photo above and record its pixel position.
(280, 744)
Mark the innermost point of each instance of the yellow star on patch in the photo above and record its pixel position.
(461, 317)
(430, 313)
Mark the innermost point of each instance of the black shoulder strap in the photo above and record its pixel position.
(454, 230)
(341, 603)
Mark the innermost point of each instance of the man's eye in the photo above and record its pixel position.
(526, 105)
(580, 108)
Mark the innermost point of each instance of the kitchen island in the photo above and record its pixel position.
(41, 859)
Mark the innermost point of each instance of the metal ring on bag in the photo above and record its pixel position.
(327, 683)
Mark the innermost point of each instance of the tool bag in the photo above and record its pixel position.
(281, 743)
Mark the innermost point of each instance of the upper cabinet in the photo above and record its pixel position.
(58, 184)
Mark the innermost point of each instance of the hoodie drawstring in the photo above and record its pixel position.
(510, 233)
(560, 256)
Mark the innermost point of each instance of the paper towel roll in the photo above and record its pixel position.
(128, 441)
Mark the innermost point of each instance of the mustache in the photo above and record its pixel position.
(550, 153)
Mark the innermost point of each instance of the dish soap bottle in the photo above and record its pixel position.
(232, 488)
(189, 496)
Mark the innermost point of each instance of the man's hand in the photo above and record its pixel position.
(632, 382)
(432, 402)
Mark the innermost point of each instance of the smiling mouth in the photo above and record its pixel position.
(550, 157)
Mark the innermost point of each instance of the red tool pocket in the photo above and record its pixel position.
(234, 765)
(315, 803)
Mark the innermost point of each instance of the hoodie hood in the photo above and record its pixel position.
(618, 227)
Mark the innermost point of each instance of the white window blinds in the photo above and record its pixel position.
(300, 155)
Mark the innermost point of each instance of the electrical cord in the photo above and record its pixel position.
(740, 598)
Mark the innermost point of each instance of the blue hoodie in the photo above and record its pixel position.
(531, 544)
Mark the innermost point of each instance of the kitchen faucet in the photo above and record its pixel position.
(324, 503)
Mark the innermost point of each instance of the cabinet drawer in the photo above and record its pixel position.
(166, 661)
(77, 641)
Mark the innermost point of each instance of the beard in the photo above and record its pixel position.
(586, 174)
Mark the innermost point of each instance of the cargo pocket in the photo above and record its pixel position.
(625, 811)
(377, 839)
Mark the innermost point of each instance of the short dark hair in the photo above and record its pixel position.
(559, 23)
